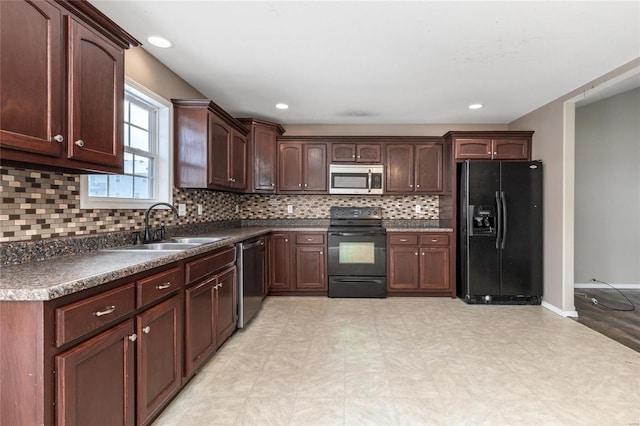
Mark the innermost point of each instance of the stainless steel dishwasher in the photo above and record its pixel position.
(250, 278)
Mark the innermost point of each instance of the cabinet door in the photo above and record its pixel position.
(310, 268)
(434, 268)
(290, 167)
(96, 97)
(511, 149)
(399, 168)
(343, 152)
(368, 153)
(219, 146)
(315, 167)
(429, 168)
(404, 268)
(159, 359)
(95, 380)
(227, 319)
(238, 161)
(264, 149)
(280, 261)
(479, 149)
(200, 324)
(31, 102)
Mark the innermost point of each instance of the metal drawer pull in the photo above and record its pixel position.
(163, 286)
(146, 330)
(403, 240)
(309, 239)
(433, 240)
(80, 143)
(107, 311)
(133, 337)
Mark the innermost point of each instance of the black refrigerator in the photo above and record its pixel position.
(500, 232)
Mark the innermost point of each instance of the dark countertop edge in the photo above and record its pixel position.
(154, 260)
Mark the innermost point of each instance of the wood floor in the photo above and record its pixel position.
(623, 327)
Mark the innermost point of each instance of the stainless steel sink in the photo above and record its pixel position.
(163, 246)
(197, 240)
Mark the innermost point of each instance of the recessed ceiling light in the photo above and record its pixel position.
(475, 106)
(159, 41)
(282, 106)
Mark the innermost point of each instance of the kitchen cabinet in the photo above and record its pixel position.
(356, 153)
(415, 168)
(419, 263)
(262, 166)
(302, 167)
(505, 145)
(210, 306)
(62, 86)
(297, 263)
(210, 147)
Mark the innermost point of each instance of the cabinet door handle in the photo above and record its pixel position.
(359, 156)
(418, 186)
(133, 337)
(299, 184)
(107, 311)
(423, 254)
(146, 330)
(79, 143)
(286, 240)
(58, 138)
(416, 253)
(273, 184)
(163, 286)
(353, 156)
(411, 185)
(321, 252)
(305, 185)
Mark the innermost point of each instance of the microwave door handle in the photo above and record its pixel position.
(369, 181)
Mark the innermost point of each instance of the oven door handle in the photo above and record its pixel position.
(369, 181)
(354, 234)
(356, 280)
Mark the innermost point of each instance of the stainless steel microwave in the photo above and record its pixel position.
(366, 179)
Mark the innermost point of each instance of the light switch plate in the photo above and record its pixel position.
(182, 209)
(289, 208)
(418, 208)
(199, 209)
(237, 208)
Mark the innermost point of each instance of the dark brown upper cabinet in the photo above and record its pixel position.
(302, 167)
(210, 147)
(505, 145)
(262, 165)
(61, 103)
(415, 168)
(356, 153)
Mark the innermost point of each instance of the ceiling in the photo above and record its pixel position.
(385, 61)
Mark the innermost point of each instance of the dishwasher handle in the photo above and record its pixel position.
(251, 244)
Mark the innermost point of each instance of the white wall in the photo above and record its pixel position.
(382, 129)
(607, 201)
(553, 143)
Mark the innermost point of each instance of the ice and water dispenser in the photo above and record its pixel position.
(483, 220)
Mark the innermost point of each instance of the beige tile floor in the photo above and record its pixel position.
(411, 361)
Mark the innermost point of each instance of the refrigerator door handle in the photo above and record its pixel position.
(499, 222)
(503, 198)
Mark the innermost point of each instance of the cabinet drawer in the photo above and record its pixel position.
(209, 264)
(434, 240)
(310, 238)
(77, 319)
(157, 286)
(403, 239)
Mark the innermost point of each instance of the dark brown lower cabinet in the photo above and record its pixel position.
(297, 263)
(280, 262)
(200, 324)
(310, 268)
(95, 380)
(159, 356)
(419, 263)
(226, 307)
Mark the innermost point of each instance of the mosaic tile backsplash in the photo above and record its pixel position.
(39, 205)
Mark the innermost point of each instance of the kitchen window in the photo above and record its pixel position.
(147, 157)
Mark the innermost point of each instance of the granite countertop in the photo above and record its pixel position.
(61, 276)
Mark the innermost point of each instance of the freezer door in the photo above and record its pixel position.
(481, 270)
(521, 191)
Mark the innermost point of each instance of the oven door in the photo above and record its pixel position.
(357, 253)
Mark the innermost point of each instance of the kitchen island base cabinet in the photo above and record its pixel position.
(419, 264)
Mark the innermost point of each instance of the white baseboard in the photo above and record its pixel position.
(558, 311)
(600, 285)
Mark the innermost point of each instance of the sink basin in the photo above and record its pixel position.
(165, 246)
(196, 240)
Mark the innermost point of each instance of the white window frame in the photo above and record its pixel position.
(163, 173)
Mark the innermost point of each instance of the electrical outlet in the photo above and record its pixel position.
(182, 209)
(289, 208)
(199, 209)
(237, 208)
(418, 208)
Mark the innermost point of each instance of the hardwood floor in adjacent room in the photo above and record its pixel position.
(623, 327)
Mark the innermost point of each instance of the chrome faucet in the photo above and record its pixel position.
(147, 232)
